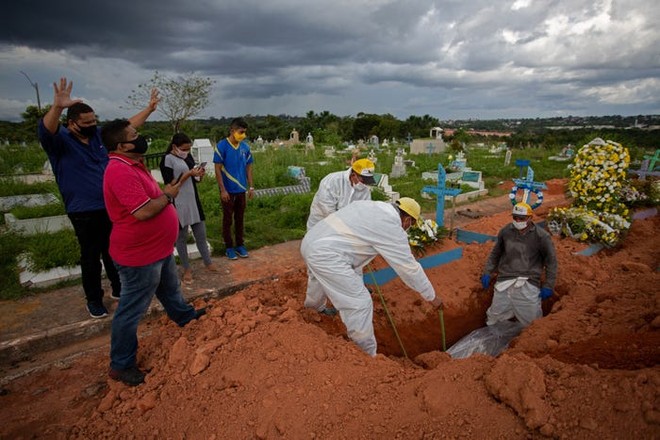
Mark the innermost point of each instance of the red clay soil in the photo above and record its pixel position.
(260, 366)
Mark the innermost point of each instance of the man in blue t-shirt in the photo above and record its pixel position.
(233, 171)
(79, 158)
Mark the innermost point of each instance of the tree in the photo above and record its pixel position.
(181, 97)
(32, 114)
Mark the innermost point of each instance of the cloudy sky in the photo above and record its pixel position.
(451, 59)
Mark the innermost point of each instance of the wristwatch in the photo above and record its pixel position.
(170, 199)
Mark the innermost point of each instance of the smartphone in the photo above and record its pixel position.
(202, 165)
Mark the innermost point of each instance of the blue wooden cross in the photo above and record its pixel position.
(430, 148)
(529, 186)
(441, 191)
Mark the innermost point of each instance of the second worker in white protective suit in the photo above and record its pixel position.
(340, 245)
(340, 188)
(337, 190)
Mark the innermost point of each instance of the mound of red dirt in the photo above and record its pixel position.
(260, 366)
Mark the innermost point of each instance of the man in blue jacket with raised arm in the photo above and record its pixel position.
(79, 158)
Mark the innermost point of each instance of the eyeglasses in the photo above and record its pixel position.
(520, 218)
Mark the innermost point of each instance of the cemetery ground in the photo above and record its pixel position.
(259, 365)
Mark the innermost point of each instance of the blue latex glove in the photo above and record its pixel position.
(545, 293)
(485, 281)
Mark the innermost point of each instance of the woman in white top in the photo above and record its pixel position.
(178, 164)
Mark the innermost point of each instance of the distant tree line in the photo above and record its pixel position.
(330, 129)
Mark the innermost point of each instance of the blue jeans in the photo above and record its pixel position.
(138, 285)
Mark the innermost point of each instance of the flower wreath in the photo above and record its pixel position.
(538, 192)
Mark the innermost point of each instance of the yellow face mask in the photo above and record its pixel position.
(239, 136)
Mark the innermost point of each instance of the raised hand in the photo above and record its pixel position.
(154, 100)
(62, 94)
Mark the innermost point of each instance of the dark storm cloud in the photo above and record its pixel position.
(473, 53)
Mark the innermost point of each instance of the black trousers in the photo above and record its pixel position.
(93, 232)
(233, 211)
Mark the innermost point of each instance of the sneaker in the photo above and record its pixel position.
(130, 376)
(329, 311)
(200, 312)
(97, 310)
(241, 251)
(231, 254)
(115, 295)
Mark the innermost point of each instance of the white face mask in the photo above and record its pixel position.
(519, 225)
(360, 186)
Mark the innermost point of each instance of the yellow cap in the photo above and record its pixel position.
(522, 209)
(410, 207)
(365, 169)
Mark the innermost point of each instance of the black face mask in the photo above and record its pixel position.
(140, 145)
(88, 131)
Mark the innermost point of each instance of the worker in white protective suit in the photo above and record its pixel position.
(522, 253)
(339, 246)
(338, 189)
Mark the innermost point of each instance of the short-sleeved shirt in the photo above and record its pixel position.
(128, 186)
(234, 162)
(78, 167)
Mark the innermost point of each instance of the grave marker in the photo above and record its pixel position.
(441, 191)
(645, 170)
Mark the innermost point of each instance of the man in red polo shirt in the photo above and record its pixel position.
(144, 228)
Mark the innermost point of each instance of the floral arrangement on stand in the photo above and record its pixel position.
(425, 234)
(598, 184)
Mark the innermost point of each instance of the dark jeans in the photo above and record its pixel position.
(93, 232)
(234, 210)
(138, 286)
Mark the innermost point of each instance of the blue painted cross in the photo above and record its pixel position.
(528, 186)
(430, 148)
(441, 191)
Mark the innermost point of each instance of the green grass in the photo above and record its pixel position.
(52, 209)
(11, 245)
(21, 159)
(50, 250)
(13, 187)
